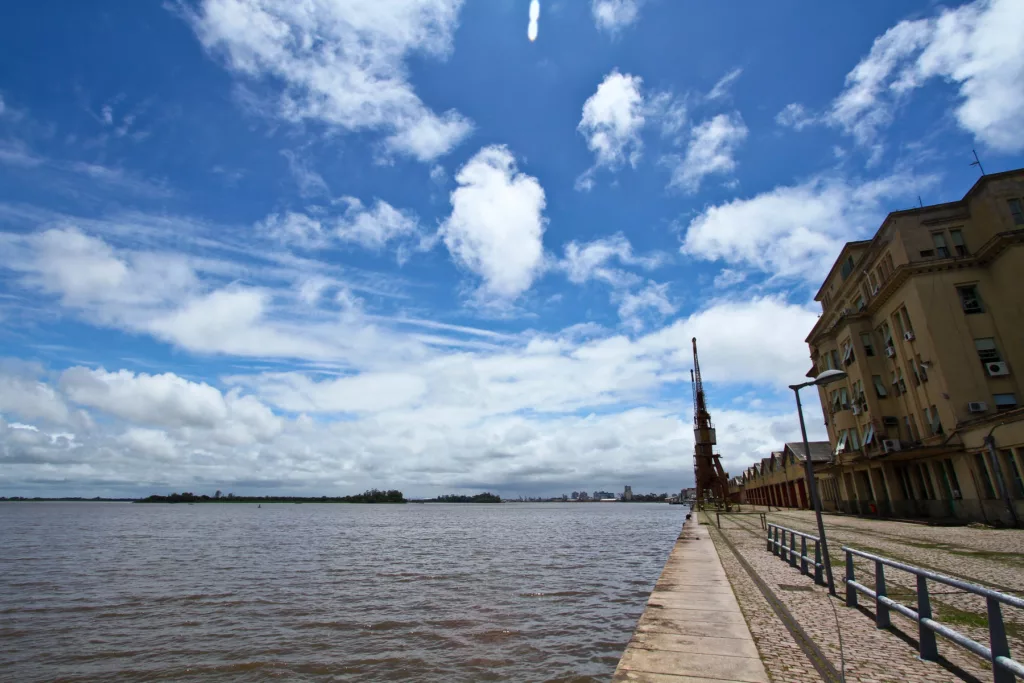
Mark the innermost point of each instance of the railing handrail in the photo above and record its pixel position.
(792, 531)
(941, 578)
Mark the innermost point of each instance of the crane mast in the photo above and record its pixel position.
(710, 479)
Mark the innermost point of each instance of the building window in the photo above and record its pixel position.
(969, 299)
(1017, 485)
(898, 322)
(932, 414)
(940, 244)
(879, 386)
(922, 369)
(905, 316)
(886, 334)
(911, 425)
(927, 253)
(869, 347)
(926, 480)
(1005, 402)
(951, 479)
(835, 359)
(986, 481)
(1017, 211)
(869, 434)
(958, 242)
(847, 267)
(841, 446)
(848, 356)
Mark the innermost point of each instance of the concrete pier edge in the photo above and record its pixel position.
(692, 630)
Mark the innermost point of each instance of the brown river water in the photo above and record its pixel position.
(511, 592)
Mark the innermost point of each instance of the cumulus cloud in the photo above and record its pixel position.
(614, 15)
(342, 63)
(518, 416)
(800, 228)
(653, 298)
(371, 227)
(496, 226)
(975, 46)
(612, 119)
(711, 150)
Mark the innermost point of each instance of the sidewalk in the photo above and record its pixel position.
(794, 622)
(692, 630)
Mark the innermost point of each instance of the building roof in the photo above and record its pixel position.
(981, 182)
(821, 451)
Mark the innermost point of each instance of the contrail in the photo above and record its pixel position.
(531, 30)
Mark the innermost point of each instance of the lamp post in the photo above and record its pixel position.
(824, 378)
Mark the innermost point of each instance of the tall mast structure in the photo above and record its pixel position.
(710, 479)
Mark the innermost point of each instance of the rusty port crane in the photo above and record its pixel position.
(710, 479)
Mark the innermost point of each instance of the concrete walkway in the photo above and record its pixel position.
(692, 630)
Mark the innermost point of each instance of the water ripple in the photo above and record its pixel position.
(118, 592)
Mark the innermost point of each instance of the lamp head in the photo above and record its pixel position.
(828, 377)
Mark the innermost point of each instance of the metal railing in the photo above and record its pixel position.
(1004, 669)
(790, 553)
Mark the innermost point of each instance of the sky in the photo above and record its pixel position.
(268, 246)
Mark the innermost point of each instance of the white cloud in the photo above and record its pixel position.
(721, 88)
(375, 226)
(372, 227)
(590, 260)
(497, 223)
(532, 415)
(795, 116)
(22, 393)
(728, 278)
(612, 119)
(795, 231)
(615, 15)
(653, 297)
(309, 181)
(975, 46)
(294, 228)
(170, 402)
(342, 63)
(712, 148)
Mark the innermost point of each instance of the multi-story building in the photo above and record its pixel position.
(927, 320)
(627, 494)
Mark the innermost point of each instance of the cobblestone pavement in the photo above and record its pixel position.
(986, 556)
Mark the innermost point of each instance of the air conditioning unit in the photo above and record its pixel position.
(890, 352)
(890, 445)
(908, 336)
(977, 406)
(856, 409)
(997, 369)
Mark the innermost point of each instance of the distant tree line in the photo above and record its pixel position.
(478, 498)
(69, 499)
(370, 496)
(647, 498)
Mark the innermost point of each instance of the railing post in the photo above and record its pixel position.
(818, 566)
(925, 636)
(851, 592)
(881, 610)
(803, 555)
(792, 549)
(769, 548)
(775, 542)
(997, 641)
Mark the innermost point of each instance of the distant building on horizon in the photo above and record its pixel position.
(628, 493)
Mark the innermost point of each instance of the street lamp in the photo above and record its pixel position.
(824, 378)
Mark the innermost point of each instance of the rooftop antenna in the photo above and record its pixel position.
(977, 162)
(919, 202)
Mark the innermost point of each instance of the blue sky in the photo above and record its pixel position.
(260, 245)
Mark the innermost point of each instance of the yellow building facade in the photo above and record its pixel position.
(927, 320)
